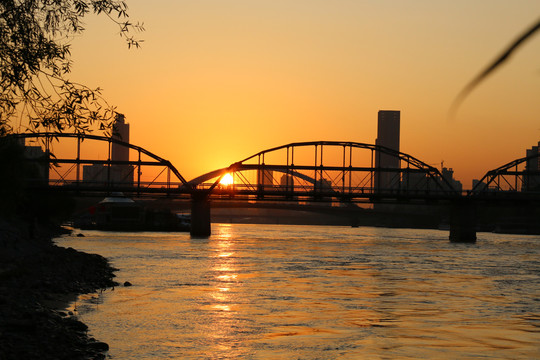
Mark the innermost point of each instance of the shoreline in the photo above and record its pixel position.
(38, 282)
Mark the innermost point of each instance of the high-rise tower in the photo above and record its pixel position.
(120, 132)
(388, 126)
(532, 181)
(119, 174)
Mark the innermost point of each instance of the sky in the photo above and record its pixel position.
(216, 81)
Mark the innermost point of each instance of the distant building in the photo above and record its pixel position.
(416, 182)
(265, 179)
(531, 181)
(40, 171)
(481, 186)
(388, 128)
(119, 174)
(421, 182)
(287, 182)
(94, 174)
(448, 175)
(388, 133)
(323, 185)
(120, 132)
(98, 174)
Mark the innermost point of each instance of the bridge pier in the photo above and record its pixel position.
(463, 221)
(200, 215)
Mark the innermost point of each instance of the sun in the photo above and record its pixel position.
(227, 180)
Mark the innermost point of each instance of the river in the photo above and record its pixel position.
(315, 292)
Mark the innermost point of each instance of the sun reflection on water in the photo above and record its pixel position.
(225, 323)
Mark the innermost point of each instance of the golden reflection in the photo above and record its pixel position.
(224, 296)
(221, 307)
(227, 277)
(224, 232)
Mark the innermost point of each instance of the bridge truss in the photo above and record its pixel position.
(326, 171)
(329, 171)
(86, 163)
(519, 178)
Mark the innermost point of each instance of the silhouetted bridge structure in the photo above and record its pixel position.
(323, 171)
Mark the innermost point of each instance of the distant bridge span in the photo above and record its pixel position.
(345, 171)
(519, 175)
(327, 171)
(109, 179)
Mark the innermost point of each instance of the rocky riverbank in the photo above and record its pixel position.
(37, 276)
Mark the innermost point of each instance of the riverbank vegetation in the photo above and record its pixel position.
(36, 94)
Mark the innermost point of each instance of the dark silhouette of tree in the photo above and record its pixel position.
(35, 63)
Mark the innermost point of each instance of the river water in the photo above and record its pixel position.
(315, 292)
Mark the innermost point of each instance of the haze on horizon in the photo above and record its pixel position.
(217, 81)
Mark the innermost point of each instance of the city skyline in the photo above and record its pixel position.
(214, 83)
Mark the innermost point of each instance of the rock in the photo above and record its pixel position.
(75, 324)
(98, 346)
(127, 283)
(80, 235)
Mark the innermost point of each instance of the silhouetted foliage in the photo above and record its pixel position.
(13, 171)
(499, 60)
(35, 62)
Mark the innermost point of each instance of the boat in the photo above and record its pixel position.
(120, 213)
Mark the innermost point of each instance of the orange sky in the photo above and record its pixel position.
(217, 81)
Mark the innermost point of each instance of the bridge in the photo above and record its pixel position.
(340, 173)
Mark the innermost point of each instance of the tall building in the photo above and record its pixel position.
(120, 132)
(534, 163)
(39, 173)
(531, 181)
(95, 174)
(265, 179)
(119, 174)
(448, 175)
(287, 182)
(388, 126)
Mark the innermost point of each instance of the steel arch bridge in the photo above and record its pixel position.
(516, 180)
(69, 173)
(328, 171)
(317, 171)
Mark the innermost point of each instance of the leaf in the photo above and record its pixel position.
(464, 93)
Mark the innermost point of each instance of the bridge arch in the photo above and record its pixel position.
(145, 159)
(328, 169)
(522, 174)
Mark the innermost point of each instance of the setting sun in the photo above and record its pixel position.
(227, 180)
